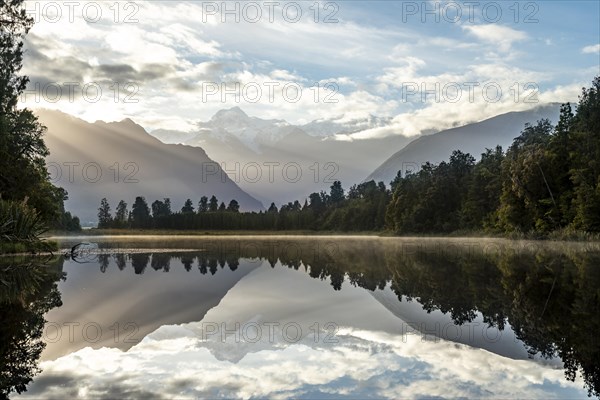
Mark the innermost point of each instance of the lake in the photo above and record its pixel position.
(303, 317)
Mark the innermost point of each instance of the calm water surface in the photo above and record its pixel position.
(307, 317)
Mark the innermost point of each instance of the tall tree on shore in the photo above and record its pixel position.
(336, 194)
(104, 216)
(213, 205)
(528, 200)
(22, 148)
(188, 207)
(121, 214)
(272, 209)
(233, 206)
(140, 213)
(160, 209)
(203, 204)
(483, 192)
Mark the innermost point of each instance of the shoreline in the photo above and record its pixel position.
(556, 236)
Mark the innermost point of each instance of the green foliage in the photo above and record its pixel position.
(233, 206)
(203, 204)
(213, 204)
(336, 195)
(548, 180)
(483, 192)
(527, 201)
(28, 291)
(584, 134)
(21, 226)
(432, 199)
(22, 148)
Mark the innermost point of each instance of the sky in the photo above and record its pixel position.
(429, 65)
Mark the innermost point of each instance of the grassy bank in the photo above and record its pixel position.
(175, 232)
(561, 235)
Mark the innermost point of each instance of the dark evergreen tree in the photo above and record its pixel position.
(104, 216)
(203, 204)
(336, 195)
(233, 206)
(188, 207)
(213, 204)
(140, 213)
(121, 215)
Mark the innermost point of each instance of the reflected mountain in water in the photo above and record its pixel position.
(542, 298)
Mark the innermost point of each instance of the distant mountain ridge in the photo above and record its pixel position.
(120, 160)
(472, 138)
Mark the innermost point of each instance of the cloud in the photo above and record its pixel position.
(592, 49)
(446, 100)
(173, 48)
(499, 36)
(175, 361)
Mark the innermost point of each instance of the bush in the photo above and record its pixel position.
(21, 227)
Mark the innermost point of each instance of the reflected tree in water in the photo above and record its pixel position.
(120, 261)
(187, 262)
(161, 261)
(28, 289)
(139, 262)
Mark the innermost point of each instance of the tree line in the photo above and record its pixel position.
(362, 208)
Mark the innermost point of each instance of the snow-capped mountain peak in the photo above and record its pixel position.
(252, 131)
(231, 114)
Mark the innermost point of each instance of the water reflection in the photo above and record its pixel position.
(545, 296)
(27, 291)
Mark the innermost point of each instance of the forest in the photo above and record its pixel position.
(547, 180)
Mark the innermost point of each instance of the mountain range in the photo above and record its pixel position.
(473, 138)
(120, 160)
(275, 161)
(255, 161)
(239, 142)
